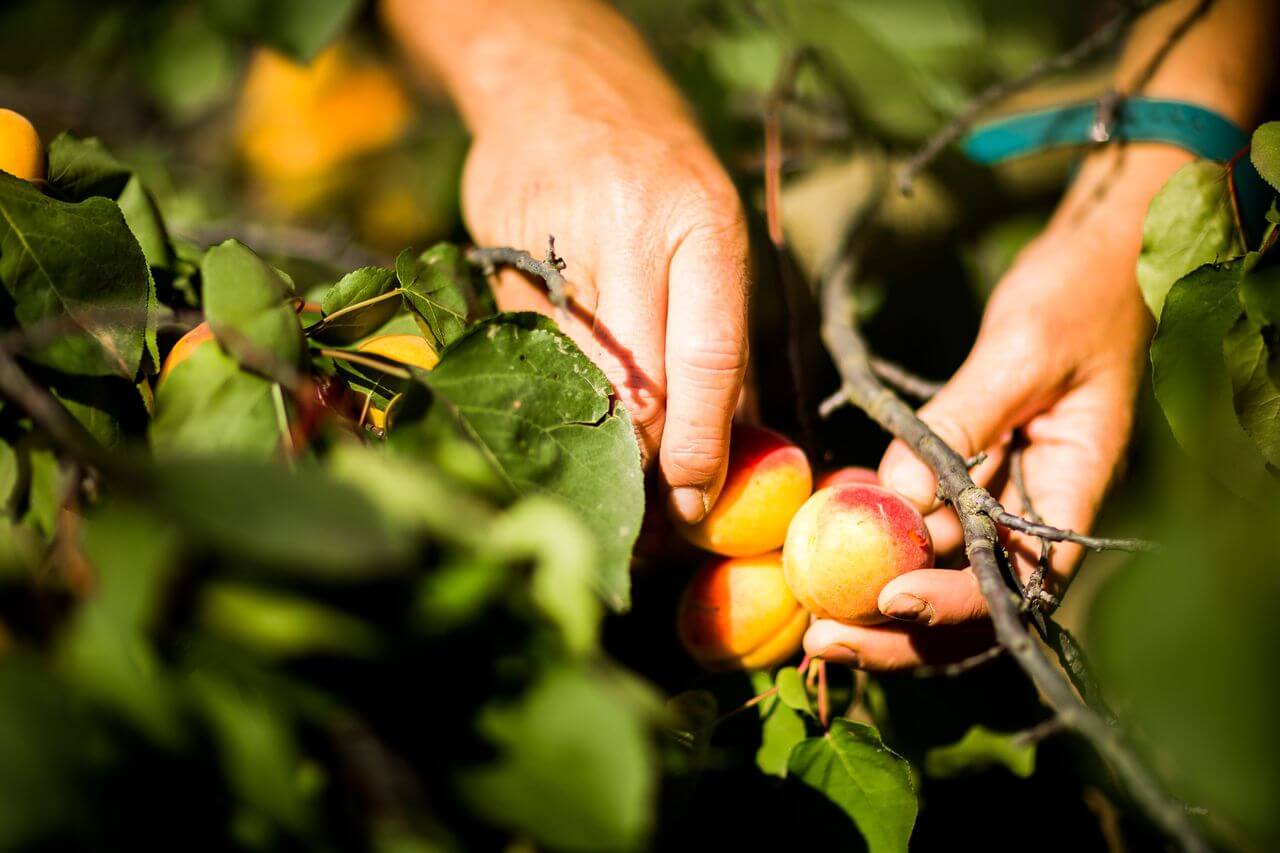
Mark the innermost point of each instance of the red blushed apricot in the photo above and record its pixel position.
(186, 345)
(739, 614)
(768, 479)
(846, 543)
(848, 474)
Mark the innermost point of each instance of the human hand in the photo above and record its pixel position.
(655, 240)
(1058, 358)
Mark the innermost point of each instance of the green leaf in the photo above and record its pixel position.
(245, 304)
(1264, 151)
(187, 66)
(108, 651)
(300, 28)
(276, 625)
(1189, 223)
(300, 523)
(575, 770)
(355, 288)
(791, 689)
(546, 416)
(208, 404)
(1190, 378)
(564, 554)
(870, 783)
(436, 285)
(76, 266)
(782, 728)
(110, 408)
(1250, 364)
(981, 748)
(80, 169)
(258, 750)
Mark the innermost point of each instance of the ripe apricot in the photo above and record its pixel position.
(846, 543)
(413, 350)
(21, 153)
(768, 479)
(739, 614)
(186, 345)
(298, 124)
(848, 474)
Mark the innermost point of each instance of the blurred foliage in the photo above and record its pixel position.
(270, 622)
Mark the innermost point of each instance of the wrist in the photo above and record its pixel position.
(523, 67)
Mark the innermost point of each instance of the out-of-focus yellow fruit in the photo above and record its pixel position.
(297, 125)
(412, 350)
(21, 153)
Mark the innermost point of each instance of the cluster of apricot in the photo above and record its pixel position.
(787, 553)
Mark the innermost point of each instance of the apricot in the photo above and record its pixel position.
(413, 350)
(768, 479)
(739, 614)
(298, 125)
(848, 474)
(187, 344)
(21, 153)
(846, 543)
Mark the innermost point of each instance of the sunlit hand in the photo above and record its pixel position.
(656, 246)
(1058, 358)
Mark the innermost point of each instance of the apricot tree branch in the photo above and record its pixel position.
(961, 666)
(972, 504)
(780, 94)
(549, 269)
(1099, 40)
(50, 415)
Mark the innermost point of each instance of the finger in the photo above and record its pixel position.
(892, 647)
(934, 597)
(706, 356)
(991, 391)
(621, 328)
(1071, 457)
(944, 530)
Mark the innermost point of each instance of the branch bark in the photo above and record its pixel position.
(973, 506)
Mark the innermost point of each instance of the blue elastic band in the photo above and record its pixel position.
(1200, 131)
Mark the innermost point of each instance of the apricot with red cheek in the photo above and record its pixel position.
(846, 543)
(767, 481)
(848, 474)
(739, 614)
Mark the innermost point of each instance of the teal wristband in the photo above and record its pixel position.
(1196, 129)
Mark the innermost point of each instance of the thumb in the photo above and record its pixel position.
(989, 395)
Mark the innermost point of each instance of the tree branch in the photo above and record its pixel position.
(973, 504)
(548, 269)
(50, 415)
(1100, 39)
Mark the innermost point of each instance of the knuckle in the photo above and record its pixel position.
(692, 461)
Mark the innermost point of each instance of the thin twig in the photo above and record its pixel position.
(897, 376)
(961, 666)
(549, 269)
(368, 361)
(1099, 40)
(50, 415)
(1035, 584)
(970, 502)
(1039, 732)
(780, 94)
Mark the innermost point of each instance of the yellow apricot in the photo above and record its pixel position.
(296, 125)
(21, 153)
(768, 479)
(186, 345)
(846, 543)
(413, 350)
(739, 614)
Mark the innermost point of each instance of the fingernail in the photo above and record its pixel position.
(689, 504)
(839, 654)
(908, 608)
